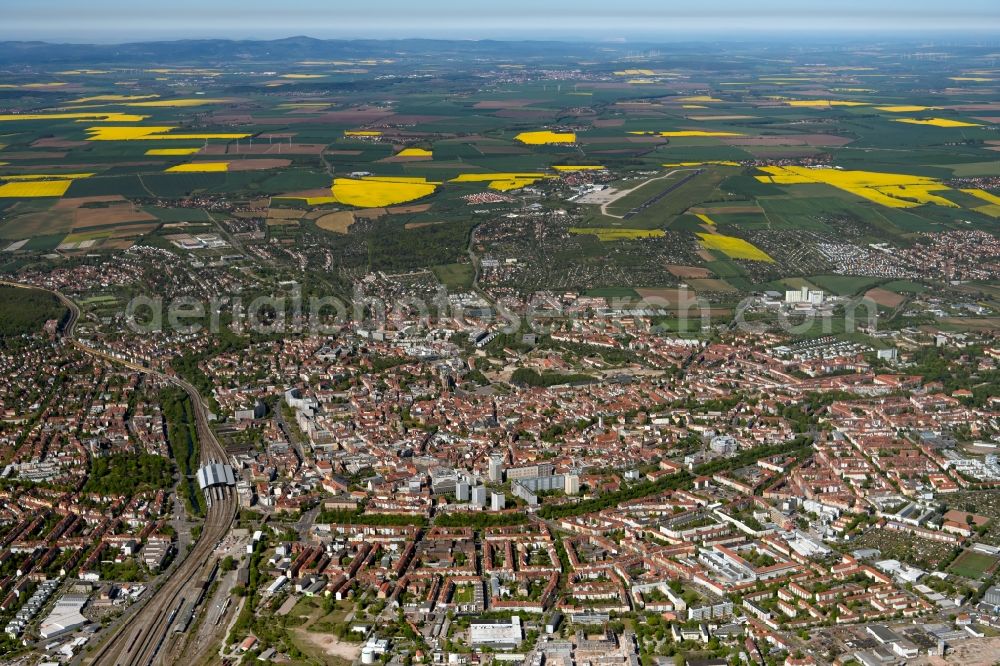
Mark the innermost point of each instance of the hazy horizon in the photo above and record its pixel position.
(114, 21)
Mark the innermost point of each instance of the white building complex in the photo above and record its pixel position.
(495, 632)
(66, 616)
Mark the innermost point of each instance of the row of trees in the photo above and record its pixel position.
(183, 437)
(798, 447)
(480, 520)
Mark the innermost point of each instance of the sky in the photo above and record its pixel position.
(117, 21)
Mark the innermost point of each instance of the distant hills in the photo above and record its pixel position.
(291, 48)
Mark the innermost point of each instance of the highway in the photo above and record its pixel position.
(139, 640)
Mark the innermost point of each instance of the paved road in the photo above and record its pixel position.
(139, 639)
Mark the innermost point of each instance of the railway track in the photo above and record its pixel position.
(138, 640)
(142, 646)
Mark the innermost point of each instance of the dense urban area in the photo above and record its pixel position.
(470, 353)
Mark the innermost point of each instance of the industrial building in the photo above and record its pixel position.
(66, 616)
(495, 632)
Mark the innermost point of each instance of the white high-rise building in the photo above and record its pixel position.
(495, 472)
(479, 495)
(498, 501)
(805, 295)
(462, 491)
(572, 484)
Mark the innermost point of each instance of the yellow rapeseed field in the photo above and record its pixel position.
(362, 133)
(937, 122)
(635, 72)
(903, 108)
(615, 234)
(377, 192)
(894, 190)
(920, 193)
(508, 185)
(172, 151)
(502, 181)
(706, 219)
(45, 176)
(34, 86)
(582, 167)
(152, 133)
(545, 137)
(103, 117)
(82, 72)
(35, 188)
(194, 101)
(822, 102)
(199, 167)
(733, 247)
(415, 152)
(984, 195)
(992, 207)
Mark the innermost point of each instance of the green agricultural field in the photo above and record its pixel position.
(352, 121)
(905, 287)
(844, 285)
(178, 214)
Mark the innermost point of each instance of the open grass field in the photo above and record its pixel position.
(974, 565)
(456, 277)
